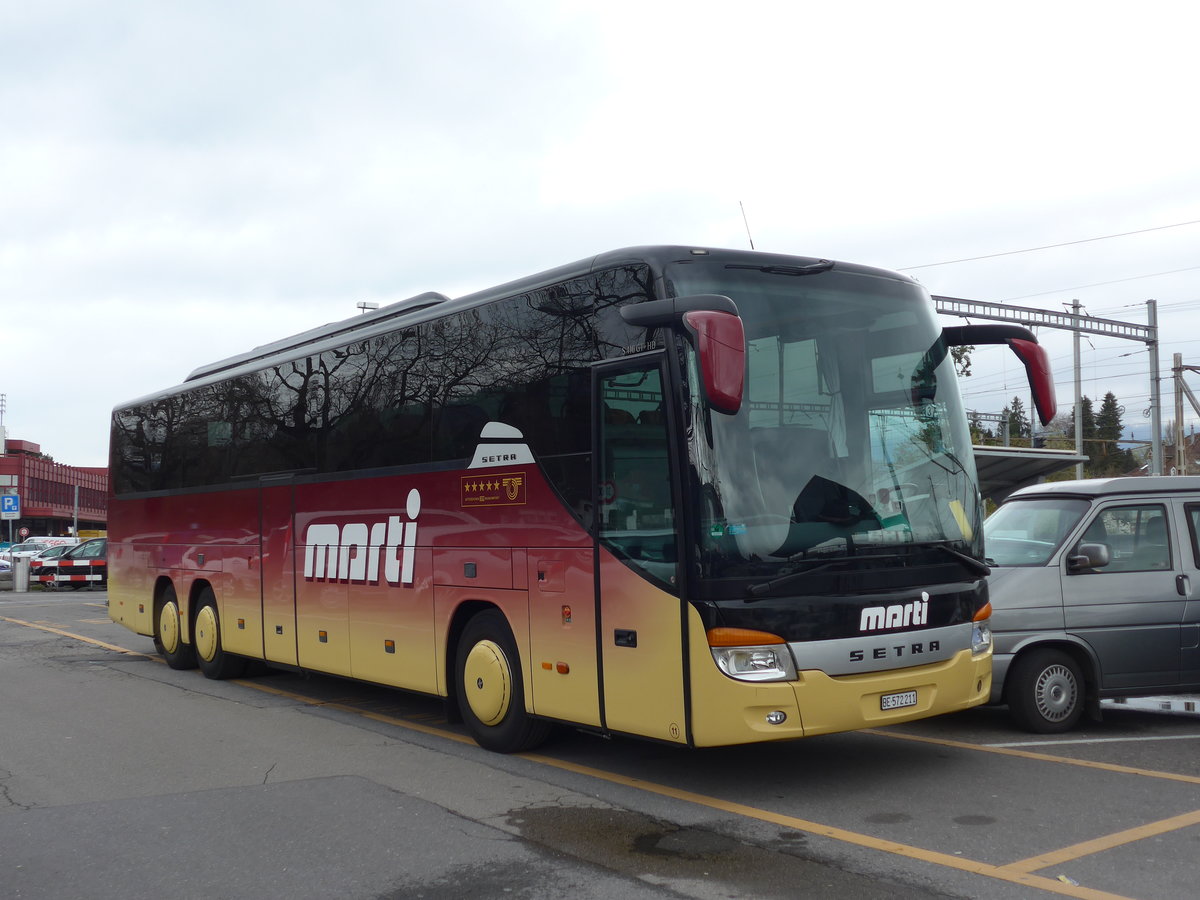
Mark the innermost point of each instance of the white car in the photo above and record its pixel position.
(17, 551)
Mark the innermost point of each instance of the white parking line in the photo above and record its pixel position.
(1118, 740)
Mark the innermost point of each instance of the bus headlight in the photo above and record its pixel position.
(751, 655)
(981, 637)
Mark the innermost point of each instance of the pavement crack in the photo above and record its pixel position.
(6, 797)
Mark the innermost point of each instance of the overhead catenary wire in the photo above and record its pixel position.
(1103, 237)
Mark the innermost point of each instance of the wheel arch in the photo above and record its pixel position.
(463, 613)
(1083, 656)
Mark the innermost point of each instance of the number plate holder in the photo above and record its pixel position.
(898, 701)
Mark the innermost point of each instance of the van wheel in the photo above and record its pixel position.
(214, 662)
(1045, 691)
(168, 640)
(491, 692)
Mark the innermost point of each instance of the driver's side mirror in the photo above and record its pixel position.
(1088, 556)
(718, 335)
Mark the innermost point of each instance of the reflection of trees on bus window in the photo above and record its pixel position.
(406, 397)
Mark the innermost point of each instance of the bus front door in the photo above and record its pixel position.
(641, 617)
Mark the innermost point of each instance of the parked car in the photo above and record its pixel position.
(38, 562)
(79, 566)
(23, 549)
(1095, 592)
(33, 545)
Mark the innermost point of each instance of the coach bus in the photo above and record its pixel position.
(702, 496)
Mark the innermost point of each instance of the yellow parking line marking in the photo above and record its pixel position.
(1043, 757)
(78, 637)
(1020, 872)
(1002, 873)
(343, 707)
(1100, 844)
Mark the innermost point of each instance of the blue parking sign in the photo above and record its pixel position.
(10, 506)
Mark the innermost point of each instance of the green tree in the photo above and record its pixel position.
(979, 434)
(1018, 421)
(1091, 446)
(962, 360)
(1113, 460)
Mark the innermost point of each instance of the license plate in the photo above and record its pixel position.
(898, 701)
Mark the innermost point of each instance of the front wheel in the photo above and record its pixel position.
(214, 662)
(491, 693)
(1045, 691)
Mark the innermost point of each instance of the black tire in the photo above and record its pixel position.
(1045, 691)
(491, 692)
(168, 638)
(211, 657)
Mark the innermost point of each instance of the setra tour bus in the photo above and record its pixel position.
(702, 496)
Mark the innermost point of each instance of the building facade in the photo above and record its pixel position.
(56, 499)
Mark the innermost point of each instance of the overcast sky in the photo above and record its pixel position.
(180, 182)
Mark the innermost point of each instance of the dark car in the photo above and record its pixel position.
(80, 566)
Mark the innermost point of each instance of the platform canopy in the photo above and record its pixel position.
(1004, 469)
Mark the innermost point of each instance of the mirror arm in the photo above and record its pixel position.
(1025, 345)
(653, 313)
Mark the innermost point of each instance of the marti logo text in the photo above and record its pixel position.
(899, 615)
(352, 552)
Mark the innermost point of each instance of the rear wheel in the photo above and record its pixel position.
(214, 662)
(1045, 691)
(491, 693)
(168, 636)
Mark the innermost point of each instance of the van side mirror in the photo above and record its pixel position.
(1089, 556)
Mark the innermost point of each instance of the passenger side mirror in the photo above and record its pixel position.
(1089, 556)
(1023, 343)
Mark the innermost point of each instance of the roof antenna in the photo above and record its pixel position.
(747, 221)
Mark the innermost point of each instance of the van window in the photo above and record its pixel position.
(1027, 532)
(1193, 518)
(1136, 536)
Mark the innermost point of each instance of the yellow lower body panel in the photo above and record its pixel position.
(855, 701)
(727, 711)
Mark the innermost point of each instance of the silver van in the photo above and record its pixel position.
(1095, 592)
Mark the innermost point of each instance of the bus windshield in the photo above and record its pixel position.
(851, 440)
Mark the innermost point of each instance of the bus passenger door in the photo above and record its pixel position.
(641, 616)
(278, 557)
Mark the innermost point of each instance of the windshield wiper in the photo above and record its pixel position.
(758, 591)
(825, 561)
(969, 562)
(821, 265)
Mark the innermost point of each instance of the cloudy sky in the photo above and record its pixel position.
(182, 181)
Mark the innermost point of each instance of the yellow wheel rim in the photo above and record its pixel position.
(168, 626)
(206, 633)
(487, 681)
